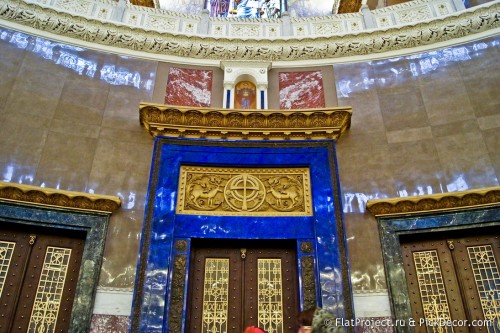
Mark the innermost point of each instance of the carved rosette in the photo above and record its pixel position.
(177, 121)
(306, 247)
(235, 191)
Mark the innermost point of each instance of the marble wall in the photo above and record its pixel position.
(288, 88)
(69, 120)
(189, 87)
(422, 124)
(301, 90)
(427, 123)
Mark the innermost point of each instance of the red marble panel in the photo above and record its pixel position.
(301, 90)
(189, 87)
(109, 324)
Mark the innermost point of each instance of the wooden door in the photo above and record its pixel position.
(38, 276)
(454, 282)
(235, 284)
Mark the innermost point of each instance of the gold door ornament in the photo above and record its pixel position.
(6, 253)
(270, 300)
(486, 276)
(50, 290)
(432, 291)
(244, 191)
(215, 295)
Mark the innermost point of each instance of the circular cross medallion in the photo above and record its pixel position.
(244, 192)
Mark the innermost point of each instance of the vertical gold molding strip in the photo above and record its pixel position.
(178, 283)
(432, 290)
(487, 278)
(50, 289)
(270, 295)
(308, 281)
(215, 295)
(6, 253)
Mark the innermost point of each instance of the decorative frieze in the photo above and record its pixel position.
(58, 198)
(432, 28)
(435, 202)
(161, 23)
(175, 121)
(244, 192)
(328, 28)
(245, 30)
(76, 6)
(413, 14)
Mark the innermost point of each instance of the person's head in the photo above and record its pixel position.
(305, 320)
(318, 320)
(253, 329)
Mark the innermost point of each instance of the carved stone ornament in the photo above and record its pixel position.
(308, 281)
(435, 202)
(58, 198)
(181, 245)
(306, 247)
(210, 123)
(465, 23)
(244, 192)
(177, 299)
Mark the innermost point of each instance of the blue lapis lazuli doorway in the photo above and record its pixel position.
(160, 297)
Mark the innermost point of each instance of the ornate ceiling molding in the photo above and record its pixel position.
(58, 198)
(304, 124)
(435, 202)
(464, 23)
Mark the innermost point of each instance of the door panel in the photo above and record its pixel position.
(477, 267)
(213, 290)
(242, 284)
(454, 277)
(40, 280)
(432, 283)
(271, 284)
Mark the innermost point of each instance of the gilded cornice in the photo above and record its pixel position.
(210, 123)
(464, 23)
(435, 202)
(58, 198)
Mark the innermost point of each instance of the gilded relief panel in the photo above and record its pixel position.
(244, 192)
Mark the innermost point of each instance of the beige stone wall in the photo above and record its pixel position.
(420, 125)
(410, 134)
(59, 129)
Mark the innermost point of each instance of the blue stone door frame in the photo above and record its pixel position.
(161, 285)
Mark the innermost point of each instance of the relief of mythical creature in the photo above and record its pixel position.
(284, 193)
(205, 192)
